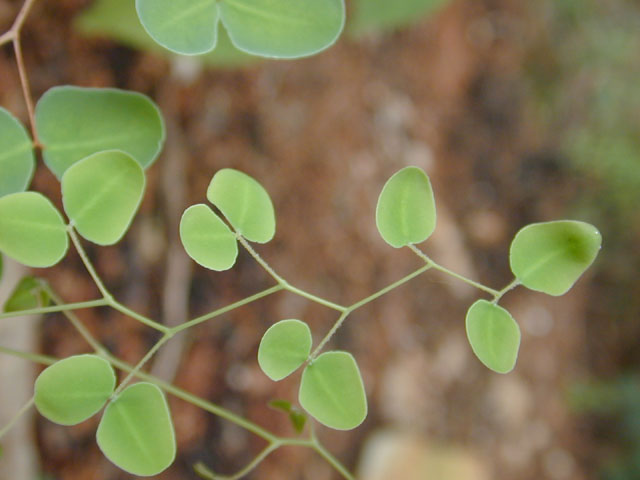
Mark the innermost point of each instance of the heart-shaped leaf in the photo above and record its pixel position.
(101, 194)
(74, 389)
(29, 293)
(332, 391)
(75, 122)
(283, 348)
(550, 257)
(17, 161)
(207, 239)
(494, 335)
(245, 203)
(406, 211)
(283, 28)
(188, 27)
(32, 231)
(118, 19)
(136, 432)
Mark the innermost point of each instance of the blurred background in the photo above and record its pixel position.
(519, 111)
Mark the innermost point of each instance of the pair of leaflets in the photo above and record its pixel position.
(244, 203)
(331, 388)
(135, 432)
(268, 28)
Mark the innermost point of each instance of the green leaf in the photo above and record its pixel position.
(32, 231)
(297, 418)
(117, 19)
(17, 161)
(75, 122)
(332, 392)
(376, 15)
(207, 239)
(29, 293)
(245, 203)
(74, 389)
(136, 431)
(101, 194)
(550, 257)
(283, 28)
(406, 211)
(494, 335)
(283, 348)
(188, 27)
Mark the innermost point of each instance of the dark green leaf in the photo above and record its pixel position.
(75, 122)
(188, 27)
(283, 28)
(29, 293)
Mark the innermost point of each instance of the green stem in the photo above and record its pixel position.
(333, 461)
(165, 338)
(32, 357)
(281, 281)
(220, 311)
(205, 472)
(388, 288)
(506, 289)
(314, 298)
(451, 273)
(75, 321)
(56, 308)
(25, 408)
(87, 263)
(361, 303)
(197, 401)
(137, 316)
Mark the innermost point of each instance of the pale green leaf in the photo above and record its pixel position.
(75, 122)
(245, 203)
(406, 211)
(32, 231)
(136, 431)
(74, 389)
(188, 27)
(29, 293)
(283, 28)
(207, 239)
(283, 348)
(117, 19)
(550, 257)
(376, 15)
(17, 161)
(332, 391)
(494, 335)
(101, 194)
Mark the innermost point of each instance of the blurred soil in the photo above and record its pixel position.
(323, 134)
